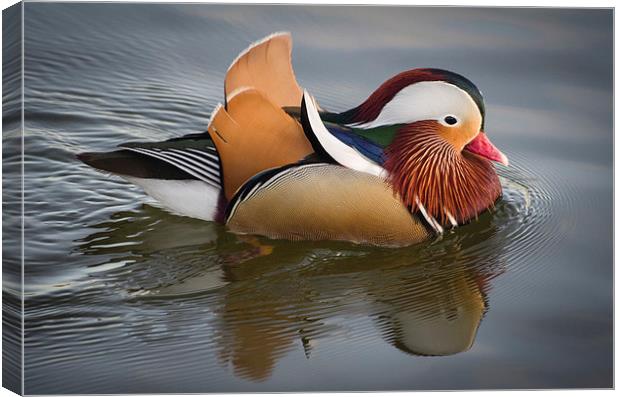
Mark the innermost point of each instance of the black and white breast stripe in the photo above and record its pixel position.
(203, 164)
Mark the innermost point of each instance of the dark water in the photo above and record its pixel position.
(124, 297)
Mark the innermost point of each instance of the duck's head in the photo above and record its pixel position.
(430, 123)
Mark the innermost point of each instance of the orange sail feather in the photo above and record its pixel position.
(266, 65)
(254, 134)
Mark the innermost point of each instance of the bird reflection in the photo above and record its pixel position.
(442, 317)
(274, 298)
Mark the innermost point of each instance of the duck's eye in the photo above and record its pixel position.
(450, 120)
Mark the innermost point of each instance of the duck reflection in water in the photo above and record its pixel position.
(442, 317)
(273, 297)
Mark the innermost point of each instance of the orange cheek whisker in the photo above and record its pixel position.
(422, 164)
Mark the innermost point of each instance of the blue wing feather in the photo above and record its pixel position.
(368, 148)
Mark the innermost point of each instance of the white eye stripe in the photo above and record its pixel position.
(427, 100)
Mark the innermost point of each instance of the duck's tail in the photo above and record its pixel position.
(185, 180)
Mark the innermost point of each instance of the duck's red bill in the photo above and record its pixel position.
(483, 147)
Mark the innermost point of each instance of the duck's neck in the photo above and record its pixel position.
(425, 169)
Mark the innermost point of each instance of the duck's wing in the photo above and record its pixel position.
(266, 66)
(190, 157)
(183, 173)
(194, 154)
(339, 143)
(253, 134)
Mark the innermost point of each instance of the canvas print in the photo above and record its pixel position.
(203, 198)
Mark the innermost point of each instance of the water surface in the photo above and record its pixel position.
(123, 297)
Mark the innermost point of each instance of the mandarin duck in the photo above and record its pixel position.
(409, 162)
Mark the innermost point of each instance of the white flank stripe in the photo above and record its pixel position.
(342, 153)
(195, 199)
(251, 193)
(234, 207)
